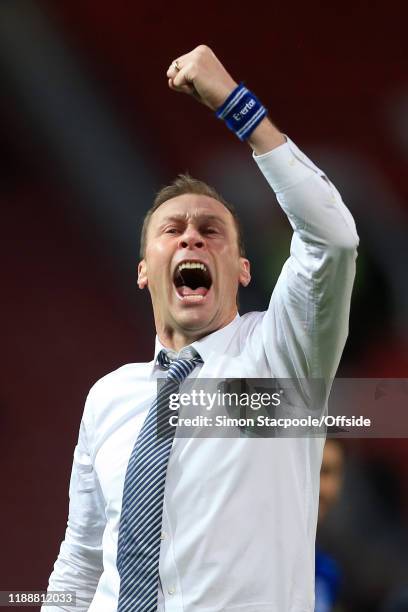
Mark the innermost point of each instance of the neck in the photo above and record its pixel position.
(176, 338)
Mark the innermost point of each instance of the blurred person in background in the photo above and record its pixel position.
(212, 523)
(328, 573)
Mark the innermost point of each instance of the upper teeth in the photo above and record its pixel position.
(191, 265)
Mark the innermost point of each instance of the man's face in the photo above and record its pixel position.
(331, 476)
(192, 266)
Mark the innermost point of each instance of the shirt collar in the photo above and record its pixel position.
(213, 343)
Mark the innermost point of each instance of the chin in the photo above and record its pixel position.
(190, 321)
(194, 318)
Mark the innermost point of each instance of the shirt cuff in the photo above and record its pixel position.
(285, 166)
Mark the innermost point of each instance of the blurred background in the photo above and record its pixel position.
(89, 131)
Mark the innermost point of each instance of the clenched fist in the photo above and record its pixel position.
(201, 74)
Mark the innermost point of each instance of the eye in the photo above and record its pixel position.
(210, 230)
(171, 230)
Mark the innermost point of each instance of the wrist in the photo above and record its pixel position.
(241, 111)
(223, 93)
(265, 137)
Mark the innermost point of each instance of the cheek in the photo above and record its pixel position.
(229, 280)
(157, 259)
(157, 249)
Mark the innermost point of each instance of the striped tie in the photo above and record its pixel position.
(143, 494)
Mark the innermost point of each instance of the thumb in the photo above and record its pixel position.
(188, 89)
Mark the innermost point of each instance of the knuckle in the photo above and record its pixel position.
(203, 49)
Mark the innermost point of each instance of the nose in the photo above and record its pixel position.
(191, 238)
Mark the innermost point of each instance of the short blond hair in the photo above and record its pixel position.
(183, 184)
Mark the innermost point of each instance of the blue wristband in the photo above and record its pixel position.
(242, 112)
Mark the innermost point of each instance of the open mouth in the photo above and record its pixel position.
(192, 280)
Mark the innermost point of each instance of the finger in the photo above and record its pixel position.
(184, 76)
(173, 70)
(177, 65)
(181, 60)
(183, 88)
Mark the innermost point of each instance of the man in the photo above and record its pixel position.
(217, 524)
(328, 572)
(331, 476)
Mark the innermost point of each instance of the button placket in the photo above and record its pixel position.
(168, 569)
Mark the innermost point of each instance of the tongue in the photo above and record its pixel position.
(184, 290)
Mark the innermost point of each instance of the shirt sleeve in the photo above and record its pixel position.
(79, 564)
(306, 325)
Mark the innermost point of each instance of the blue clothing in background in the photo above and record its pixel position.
(327, 582)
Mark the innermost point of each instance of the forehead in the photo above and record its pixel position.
(191, 206)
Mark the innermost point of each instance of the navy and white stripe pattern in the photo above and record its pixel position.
(232, 101)
(143, 494)
(242, 112)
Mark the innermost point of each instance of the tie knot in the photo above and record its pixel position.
(180, 368)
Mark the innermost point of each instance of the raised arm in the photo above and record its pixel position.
(306, 324)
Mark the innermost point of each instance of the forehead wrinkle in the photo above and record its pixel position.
(196, 215)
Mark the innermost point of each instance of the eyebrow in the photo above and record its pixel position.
(199, 217)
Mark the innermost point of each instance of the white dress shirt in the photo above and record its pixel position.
(239, 517)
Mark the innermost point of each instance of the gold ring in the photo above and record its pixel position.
(176, 65)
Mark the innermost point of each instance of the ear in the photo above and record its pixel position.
(142, 275)
(244, 272)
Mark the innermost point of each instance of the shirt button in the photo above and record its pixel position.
(171, 590)
(163, 535)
